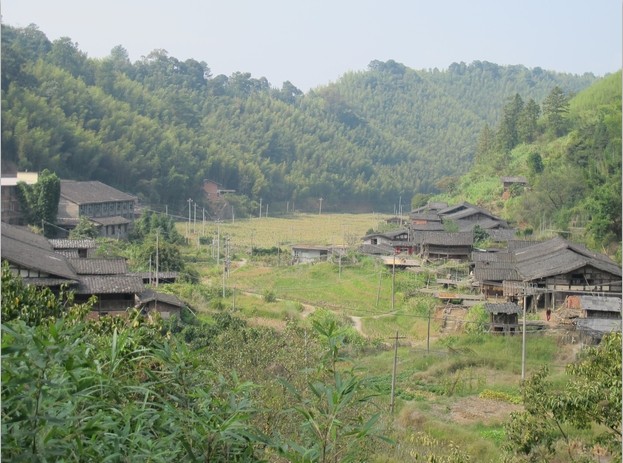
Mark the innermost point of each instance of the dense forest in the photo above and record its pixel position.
(159, 126)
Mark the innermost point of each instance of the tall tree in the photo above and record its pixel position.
(555, 108)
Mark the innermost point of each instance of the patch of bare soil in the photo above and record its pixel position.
(267, 322)
(476, 410)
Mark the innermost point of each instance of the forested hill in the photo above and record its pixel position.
(159, 126)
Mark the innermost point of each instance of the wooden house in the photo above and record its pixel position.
(490, 270)
(108, 279)
(397, 241)
(111, 210)
(80, 248)
(32, 257)
(504, 317)
(444, 245)
(165, 304)
(546, 273)
(600, 315)
(509, 182)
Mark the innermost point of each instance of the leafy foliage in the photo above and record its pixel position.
(592, 397)
(39, 201)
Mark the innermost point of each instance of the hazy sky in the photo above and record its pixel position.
(313, 42)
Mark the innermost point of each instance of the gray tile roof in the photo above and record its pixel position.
(601, 304)
(92, 192)
(114, 220)
(93, 266)
(505, 307)
(444, 238)
(558, 256)
(598, 325)
(24, 235)
(107, 284)
(73, 244)
(501, 256)
(431, 226)
(151, 295)
(28, 250)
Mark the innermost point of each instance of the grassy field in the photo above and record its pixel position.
(266, 232)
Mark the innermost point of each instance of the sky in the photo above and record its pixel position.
(312, 43)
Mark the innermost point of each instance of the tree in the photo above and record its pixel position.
(527, 127)
(334, 426)
(555, 107)
(508, 135)
(40, 200)
(84, 230)
(552, 414)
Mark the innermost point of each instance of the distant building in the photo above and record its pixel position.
(111, 210)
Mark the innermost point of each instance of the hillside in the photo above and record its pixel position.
(572, 161)
(159, 126)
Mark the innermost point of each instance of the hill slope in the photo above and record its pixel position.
(160, 126)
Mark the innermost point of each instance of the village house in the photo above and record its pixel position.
(599, 315)
(111, 210)
(508, 183)
(33, 258)
(443, 245)
(165, 304)
(305, 254)
(74, 248)
(545, 274)
(503, 317)
(395, 241)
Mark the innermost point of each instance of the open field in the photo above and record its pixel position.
(266, 232)
(445, 377)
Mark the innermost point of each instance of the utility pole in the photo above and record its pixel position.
(218, 243)
(428, 334)
(393, 393)
(157, 254)
(260, 208)
(320, 209)
(523, 339)
(188, 227)
(195, 220)
(394, 280)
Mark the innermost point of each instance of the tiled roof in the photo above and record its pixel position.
(503, 234)
(91, 266)
(92, 192)
(377, 249)
(558, 256)
(31, 251)
(601, 304)
(501, 256)
(107, 284)
(426, 215)
(150, 295)
(506, 307)
(73, 244)
(468, 212)
(24, 235)
(444, 238)
(114, 220)
(598, 325)
(431, 226)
